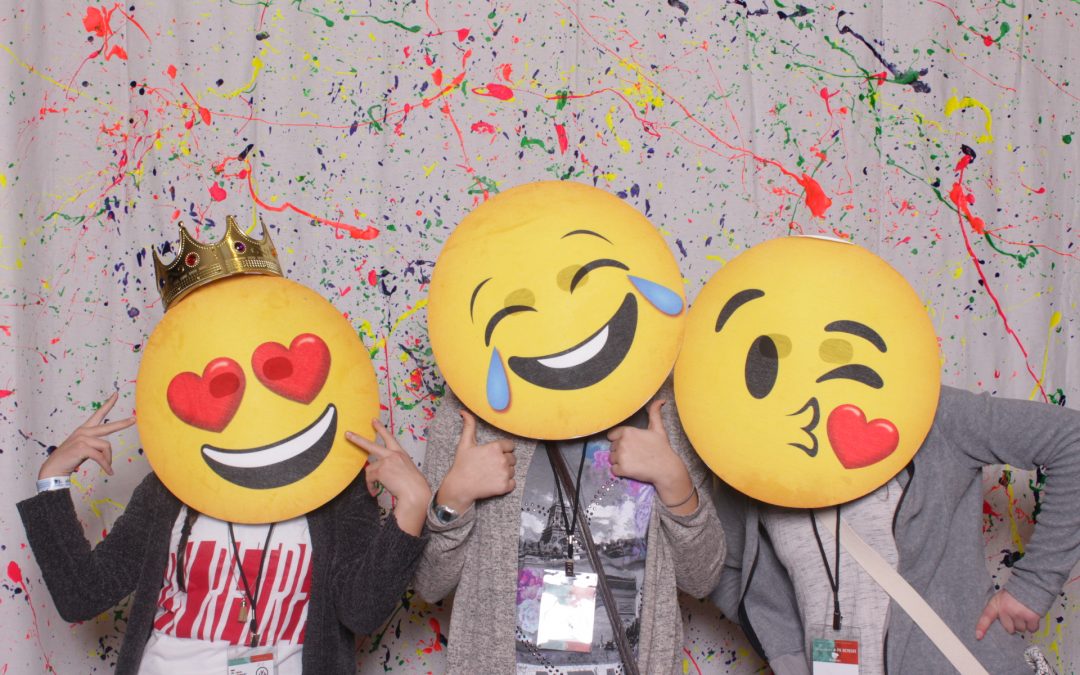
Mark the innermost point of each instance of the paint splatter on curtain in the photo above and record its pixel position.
(942, 134)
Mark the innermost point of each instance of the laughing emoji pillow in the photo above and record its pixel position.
(247, 385)
(556, 310)
(810, 372)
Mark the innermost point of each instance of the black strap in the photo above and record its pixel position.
(570, 522)
(837, 618)
(252, 598)
(181, 550)
(562, 473)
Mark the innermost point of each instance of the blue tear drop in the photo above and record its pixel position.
(664, 299)
(498, 387)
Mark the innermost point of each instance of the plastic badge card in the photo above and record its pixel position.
(836, 657)
(244, 660)
(567, 610)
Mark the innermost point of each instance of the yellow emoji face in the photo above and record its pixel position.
(810, 372)
(556, 310)
(244, 394)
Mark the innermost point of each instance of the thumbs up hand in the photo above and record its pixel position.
(646, 455)
(479, 471)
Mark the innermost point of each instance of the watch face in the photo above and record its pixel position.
(444, 514)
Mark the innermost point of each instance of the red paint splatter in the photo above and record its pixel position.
(372, 278)
(880, 77)
(482, 128)
(205, 115)
(560, 132)
(816, 199)
(989, 510)
(7, 330)
(97, 22)
(217, 193)
(961, 201)
(171, 72)
(499, 91)
(118, 52)
(505, 70)
(436, 77)
(462, 34)
(692, 661)
(14, 572)
(436, 643)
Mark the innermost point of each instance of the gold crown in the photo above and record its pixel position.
(198, 264)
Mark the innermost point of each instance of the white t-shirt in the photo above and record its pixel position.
(193, 630)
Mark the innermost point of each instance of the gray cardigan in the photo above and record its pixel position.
(478, 555)
(938, 530)
(359, 568)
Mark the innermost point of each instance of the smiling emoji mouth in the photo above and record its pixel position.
(812, 405)
(280, 463)
(588, 362)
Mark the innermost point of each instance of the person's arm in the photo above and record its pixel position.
(768, 613)
(683, 498)
(461, 472)
(85, 581)
(373, 562)
(1024, 434)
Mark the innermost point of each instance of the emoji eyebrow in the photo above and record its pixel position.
(736, 301)
(472, 300)
(499, 316)
(859, 330)
(588, 232)
(590, 266)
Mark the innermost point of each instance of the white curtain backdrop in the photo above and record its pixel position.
(942, 134)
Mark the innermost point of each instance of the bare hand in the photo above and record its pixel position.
(1013, 615)
(646, 455)
(86, 442)
(479, 471)
(393, 468)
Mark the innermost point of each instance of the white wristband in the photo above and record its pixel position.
(53, 483)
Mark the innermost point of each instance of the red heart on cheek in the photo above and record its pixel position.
(296, 372)
(858, 443)
(208, 402)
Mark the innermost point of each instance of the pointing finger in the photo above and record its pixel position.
(111, 427)
(387, 438)
(368, 445)
(101, 412)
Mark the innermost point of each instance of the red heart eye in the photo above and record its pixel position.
(208, 402)
(297, 372)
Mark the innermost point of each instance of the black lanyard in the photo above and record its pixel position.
(570, 524)
(252, 598)
(834, 584)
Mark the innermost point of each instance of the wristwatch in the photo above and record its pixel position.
(444, 514)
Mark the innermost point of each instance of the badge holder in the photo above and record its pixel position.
(244, 660)
(567, 611)
(834, 652)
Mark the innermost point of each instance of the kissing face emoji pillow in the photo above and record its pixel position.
(244, 394)
(556, 310)
(810, 372)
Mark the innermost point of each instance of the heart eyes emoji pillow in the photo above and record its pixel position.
(244, 393)
(809, 375)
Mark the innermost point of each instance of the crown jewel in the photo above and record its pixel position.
(198, 264)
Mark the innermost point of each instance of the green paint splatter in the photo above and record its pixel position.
(390, 22)
(1067, 138)
(527, 142)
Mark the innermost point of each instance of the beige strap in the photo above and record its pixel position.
(909, 600)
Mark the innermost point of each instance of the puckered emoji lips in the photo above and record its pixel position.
(280, 463)
(588, 362)
(812, 405)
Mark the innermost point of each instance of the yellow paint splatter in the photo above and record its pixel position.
(3, 180)
(958, 272)
(1055, 320)
(954, 104)
(642, 92)
(429, 169)
(95, 505)
(256, 67)
(623, 143)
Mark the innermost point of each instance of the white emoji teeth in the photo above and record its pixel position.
(277, 452)
(578, 356)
